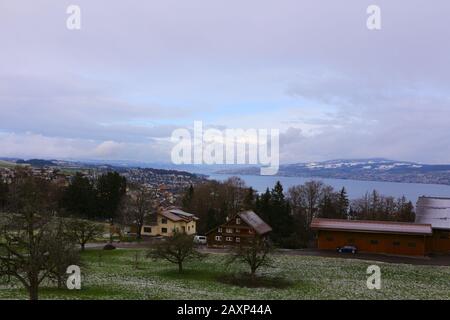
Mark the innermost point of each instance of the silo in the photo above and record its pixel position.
(435, 211)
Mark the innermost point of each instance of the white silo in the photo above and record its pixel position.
(434, 211)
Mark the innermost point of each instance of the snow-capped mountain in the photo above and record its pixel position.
(375, 169)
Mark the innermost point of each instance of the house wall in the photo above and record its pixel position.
(397, 244)
(170, 227)
(439, 242)
(240, 234)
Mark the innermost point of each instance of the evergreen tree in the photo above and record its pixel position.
(111, 188)
(278, 215)
(188, 198)
(79, 197)
(343, 204)
(263, 205)
(249, 199)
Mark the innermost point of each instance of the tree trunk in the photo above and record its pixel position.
(253, 273)
(111, 231)
(138, 232)
(180, 267)
(83, 245)
(60, 282)
(33, 290)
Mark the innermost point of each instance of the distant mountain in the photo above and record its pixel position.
(37, 162)
(119, 166)
(374, 169)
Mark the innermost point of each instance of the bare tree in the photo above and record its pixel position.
(255, 253)
(177, 249)
(82, 231)
(63, 253)
(28, 232)
(234, 192)
(139, 202)
(307, 198)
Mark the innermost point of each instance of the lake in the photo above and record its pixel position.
(355, 188)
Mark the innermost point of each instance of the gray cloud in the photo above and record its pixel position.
(137, 70)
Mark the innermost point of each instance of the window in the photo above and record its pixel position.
(189, 228)
(183, 228)
(238, 230)
(412, 244)
(250, 231)
(238, 239)
(396, 243)
(164, 221)
(164, 230)
(218, 238)
(330, 239)
(219, 230)
(238, 220)
(229, 230)
(373, 241)
(229, 239)
(147, 230)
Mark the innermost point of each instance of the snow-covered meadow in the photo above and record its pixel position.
(115, 275)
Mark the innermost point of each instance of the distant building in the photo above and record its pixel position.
(387, 237)
(435, 211)
(170, 220)
(238, 230)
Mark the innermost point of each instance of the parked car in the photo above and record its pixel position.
(200, 239)
(347, 249)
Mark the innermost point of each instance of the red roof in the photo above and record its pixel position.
(371, 226)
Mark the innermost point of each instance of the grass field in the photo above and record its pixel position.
(113, 275)
(7, 164)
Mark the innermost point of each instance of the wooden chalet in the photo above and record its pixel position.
(238, 230)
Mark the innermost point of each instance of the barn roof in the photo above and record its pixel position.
(254, 221)
(371, 226)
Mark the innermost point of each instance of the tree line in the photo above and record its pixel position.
(290, 212)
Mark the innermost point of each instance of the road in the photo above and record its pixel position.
(442, 260)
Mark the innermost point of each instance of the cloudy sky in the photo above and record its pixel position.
(137, 70)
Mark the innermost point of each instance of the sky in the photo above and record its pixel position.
(137, 70)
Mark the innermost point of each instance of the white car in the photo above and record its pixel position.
(200, 239)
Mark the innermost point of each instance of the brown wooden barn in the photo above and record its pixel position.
(397, 238)
(238, 230)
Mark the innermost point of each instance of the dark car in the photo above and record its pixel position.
(347, 249)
